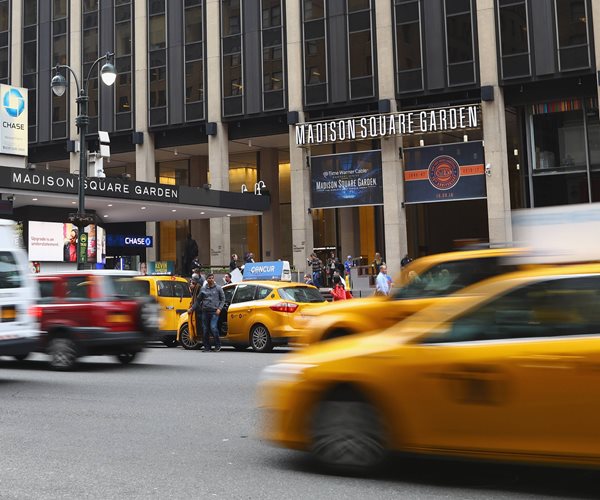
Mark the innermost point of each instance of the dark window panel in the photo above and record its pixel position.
(571, 17)
(357, 5)
(194, 51)
(460, 74)
(158, 58)
(315, 65)
(459, 38)
(156, 7)
(232, 44)
(190, 3)
(123, 121)
(410, 81)
(4, 17)
(232, 76)
(313, 9)
(194, 82)
(122, 13)
(4, 39)
(359, 21)
(407, 13)
(30, 13)
(4, 62)
(457, 7)
(123, 93)
(90, 45)
(361, 62)
(314, 29)
(232, 106)
(513, 30)
(59, 50)
(409, 47)
(230, 17)
(157, 33)
(271, 13)
(273, 100)
(574, 58)
(123, 39)
(272, 37)
(59, 130)
(90, 20)
(193, 25)
(30, 57)
(361, 87)
(194, 111)
(59, 27)
(516, 66)
(158, 116)
(316, 94)
(30, 34)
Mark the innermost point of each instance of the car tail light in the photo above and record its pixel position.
(35, 312)
(285, 307)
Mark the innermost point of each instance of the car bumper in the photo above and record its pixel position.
(162, 335)
(19, 346)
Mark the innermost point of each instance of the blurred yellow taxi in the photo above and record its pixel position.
(509, 371)
(173, 296)
(423, 282)
(260, 314)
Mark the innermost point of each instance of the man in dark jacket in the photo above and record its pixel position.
(212, 299)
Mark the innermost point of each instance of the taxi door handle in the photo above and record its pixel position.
(555, 361)
(249, 310)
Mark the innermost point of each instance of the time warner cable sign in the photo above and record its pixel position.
(13, 120)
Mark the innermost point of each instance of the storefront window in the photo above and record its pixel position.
(285, 206)
(176, 173)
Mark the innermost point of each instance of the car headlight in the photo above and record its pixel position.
(284, 372)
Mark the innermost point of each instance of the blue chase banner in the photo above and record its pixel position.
(444, 172)
(346, 180)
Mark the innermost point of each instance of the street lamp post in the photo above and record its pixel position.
(59, 87)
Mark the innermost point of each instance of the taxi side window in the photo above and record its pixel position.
(180, 289)
(77, 287)
(228, 293)
(557, 307)
(262, 292)
(46, 291)
(164, 289)
(244, 293)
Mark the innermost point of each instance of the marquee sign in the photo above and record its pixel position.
(387, 125)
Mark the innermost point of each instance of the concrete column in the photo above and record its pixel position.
(200, 228)
(494, 129)
(145, 163)
(302, 224)
(75, 64)
(16, 43)
(349, 237)
(269, 174)
(218, 145)
(394, 215)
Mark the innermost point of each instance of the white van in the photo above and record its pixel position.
(19, 328)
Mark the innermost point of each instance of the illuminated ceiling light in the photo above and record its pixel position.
(201, 213)
(174, 210)
(73, 203)
(110, 204)
(143, 208)
(228, 215)
(105, 216)
(34, 199)
(175, 152)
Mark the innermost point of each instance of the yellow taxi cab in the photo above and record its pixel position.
(260, 313)
(424, 281)
(173, 296)
(509, 371)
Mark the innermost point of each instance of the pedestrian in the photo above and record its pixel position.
(249, 258)
(336, 274)
(338, 292)
(331, 265)
(308, 280)
(190, 253)
(377, 262)
(348, 265)
(212, 299)
(233, 262)
(227, 279)
(406, 260)
(194, 311)
(383, 284)
(317, 269)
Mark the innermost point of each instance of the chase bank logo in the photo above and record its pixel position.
(13, 103)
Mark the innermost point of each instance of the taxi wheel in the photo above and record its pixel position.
(185, 340)
(63, 353)
(126, 357)
(347, 436)
(260, 339)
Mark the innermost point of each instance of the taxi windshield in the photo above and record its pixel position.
(123, 286)
(449, 277)
(302, 294)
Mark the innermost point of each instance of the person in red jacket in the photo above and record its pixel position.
(338, 292)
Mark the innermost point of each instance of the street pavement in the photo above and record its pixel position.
(183, 425)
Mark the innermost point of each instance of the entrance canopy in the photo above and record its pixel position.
(120, 200)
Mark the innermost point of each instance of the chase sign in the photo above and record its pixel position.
(13, 120)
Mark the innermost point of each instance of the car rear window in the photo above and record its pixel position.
(10, 275)
(302, 294)
(124, 286)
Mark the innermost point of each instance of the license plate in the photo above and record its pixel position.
(9, 313)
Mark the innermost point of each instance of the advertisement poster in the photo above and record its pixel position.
(444, 172)
(58, 242)
(346, 180)
(161, 267)
(13, 133)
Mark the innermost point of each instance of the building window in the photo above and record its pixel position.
(123, 16)
(409, 57)
(315, 52)
(60, 52)
(459, 42)
(231, 57)
(360, 48)
(89, 53)
(194, 60)
(272, 55)
(4, 41)
(514, 39)
(30, 62)
(572, 34)
(157, 62)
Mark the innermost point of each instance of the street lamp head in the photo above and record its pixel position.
(59, 85)
(108, 74)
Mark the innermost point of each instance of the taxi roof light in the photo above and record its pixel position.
(286, 307)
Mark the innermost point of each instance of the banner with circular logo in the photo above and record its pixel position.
(444, 172)
(13, 120)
